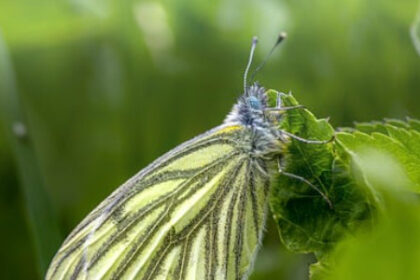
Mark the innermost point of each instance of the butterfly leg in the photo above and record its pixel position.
(285, 108)
(307, 141)
(304, 180)
(279, 108)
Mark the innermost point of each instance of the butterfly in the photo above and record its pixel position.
(197, 212)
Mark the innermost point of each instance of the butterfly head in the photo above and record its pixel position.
(250, 109)
(254, 103)
(255, 97)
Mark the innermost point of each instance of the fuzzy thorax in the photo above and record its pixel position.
(265, 138)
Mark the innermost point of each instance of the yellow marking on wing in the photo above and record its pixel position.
(228, 129)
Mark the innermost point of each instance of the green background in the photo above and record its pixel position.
(108, 86)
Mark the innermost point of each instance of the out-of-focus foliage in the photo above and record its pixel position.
(107, 86)
(390, 249)
(42, 221)
(395, 140)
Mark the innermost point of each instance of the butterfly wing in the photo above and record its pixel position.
(195, 213)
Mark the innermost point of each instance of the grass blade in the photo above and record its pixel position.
(42, 221)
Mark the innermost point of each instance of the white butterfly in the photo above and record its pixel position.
(197, 212)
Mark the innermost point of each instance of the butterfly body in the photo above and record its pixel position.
(197, 212)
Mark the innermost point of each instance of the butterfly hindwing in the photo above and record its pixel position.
(195, 213)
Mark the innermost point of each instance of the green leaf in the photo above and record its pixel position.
(414, 124)
(382, 126)
(370, 127)
(305, 221)
(400, 144)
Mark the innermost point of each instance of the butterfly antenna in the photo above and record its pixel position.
(251, 55)
(280, 38)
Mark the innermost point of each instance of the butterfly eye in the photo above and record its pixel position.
(254, 103)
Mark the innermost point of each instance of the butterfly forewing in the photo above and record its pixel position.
(195, 213)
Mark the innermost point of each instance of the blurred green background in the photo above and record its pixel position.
(107, 86)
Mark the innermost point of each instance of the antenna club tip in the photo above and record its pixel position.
(282, 36)
(254, 40)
